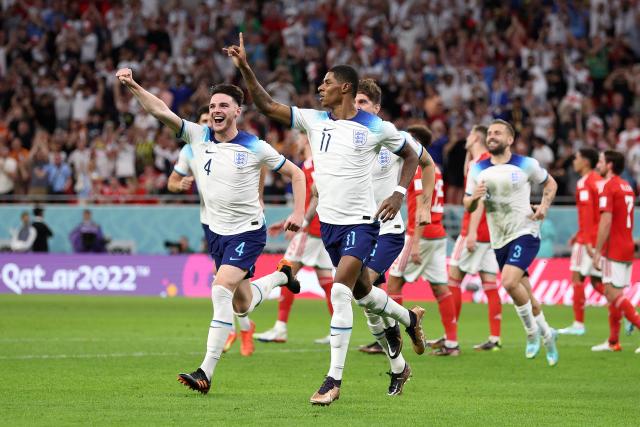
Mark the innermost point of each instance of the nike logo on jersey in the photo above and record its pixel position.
(209, 152)
(327, 129)
(350, 247)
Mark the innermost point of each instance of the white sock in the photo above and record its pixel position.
(219, 328)
(262, 287)
(377, 327)
(341, 325)
(379, 302)
(280, 325)
(526, 316)
(494, 339)
(389, 322)
(244, 323)
(545, 330)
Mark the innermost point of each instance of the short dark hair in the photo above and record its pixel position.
(591, 155)
(617, 159)
(202, 110)
(505, 123)
(38, 211)
(232, 90)
(421, 133)
(346, 74)
(482, 130)
(371, 90)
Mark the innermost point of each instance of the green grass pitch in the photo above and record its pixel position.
(113, 361)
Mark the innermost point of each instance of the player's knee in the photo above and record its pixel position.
(509, 284)
(341, 294)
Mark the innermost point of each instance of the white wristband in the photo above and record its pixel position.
(401, 189)
(305, 223)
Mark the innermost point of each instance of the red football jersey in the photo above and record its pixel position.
(435, 230)
(617, 198)
(483, 227)
(587, 193)
(314, 226)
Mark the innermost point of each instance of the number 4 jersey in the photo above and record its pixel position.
(228, 174)
(617, 198)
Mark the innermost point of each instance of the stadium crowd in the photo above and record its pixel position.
(565, 73)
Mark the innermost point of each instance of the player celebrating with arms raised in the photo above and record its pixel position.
(227, 163)
(344, 144)
(504, 183)
(614, 247)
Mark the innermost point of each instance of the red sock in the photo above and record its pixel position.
(454, 287)
(599, 287)
(447, 316)
(614, 323)
(326, 283)
(397, 298)
(284, 304)
(625, 306)
(495, 308)
(578, 302)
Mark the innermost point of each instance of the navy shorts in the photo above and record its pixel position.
(356, 240)
(206, 230)
(384, 253)
(519, 252)
(240, 250)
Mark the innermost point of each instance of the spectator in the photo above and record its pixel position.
(58, 175)
(43, 232)
(87, 236)
(22, 239)
(8, 171)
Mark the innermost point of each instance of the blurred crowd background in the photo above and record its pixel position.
(565, 73)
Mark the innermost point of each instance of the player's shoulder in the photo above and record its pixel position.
(249, 141)
(310, 114)
(522, 162)
(372, 122)
(480, 165)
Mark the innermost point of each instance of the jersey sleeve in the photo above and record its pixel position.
(536, 173)
(415, 145)
(392, 139)
(304, 118)
(605, 203)
(191, 132)
(472, 177)
(269, 156)
(184, 158)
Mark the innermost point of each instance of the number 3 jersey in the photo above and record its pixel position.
(343, 155)
(508, 198)
(228, 174)
(617, 198)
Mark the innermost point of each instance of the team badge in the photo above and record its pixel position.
(360, 137)
(384, 157)
(515, 179)
(240, 159)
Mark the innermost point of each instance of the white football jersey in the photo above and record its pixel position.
(508, 199)
(344, 152)
(228, 174)
(386, 173)
(184, 167)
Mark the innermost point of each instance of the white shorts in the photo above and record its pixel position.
(433, 265)
(582, 262)
(309, 251)
(616, 273)
(482, 260)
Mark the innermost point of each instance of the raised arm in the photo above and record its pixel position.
(272, 109)
(151, 103)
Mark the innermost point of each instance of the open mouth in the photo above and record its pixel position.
(218, 119)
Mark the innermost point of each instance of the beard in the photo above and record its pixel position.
(497, 150)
